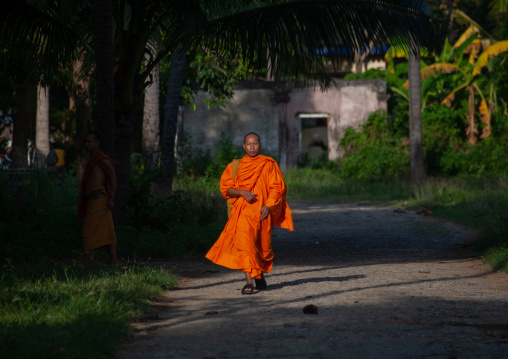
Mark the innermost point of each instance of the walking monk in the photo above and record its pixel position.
(96, 200)
(259, 195)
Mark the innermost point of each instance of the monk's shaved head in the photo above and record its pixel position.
(251, 134)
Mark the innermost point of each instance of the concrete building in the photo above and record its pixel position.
(294, 122)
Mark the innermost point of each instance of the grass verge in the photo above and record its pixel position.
(72, 312)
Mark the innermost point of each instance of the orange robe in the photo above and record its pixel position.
(98, 226)
(92, 162)
(246, 241)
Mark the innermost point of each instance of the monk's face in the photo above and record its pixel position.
(91, 144)
(252, 146)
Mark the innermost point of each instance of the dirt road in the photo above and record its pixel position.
(386, 285)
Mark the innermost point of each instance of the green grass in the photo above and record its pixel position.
(481, 204)
(71, 312)
(52, 309)
(326, 185)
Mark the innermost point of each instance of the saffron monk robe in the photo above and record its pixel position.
(259, 192)
(96, 200)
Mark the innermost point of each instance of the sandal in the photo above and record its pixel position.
(248, 289)
(260, 284)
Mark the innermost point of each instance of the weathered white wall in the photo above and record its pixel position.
(347, 104)
(250, 110)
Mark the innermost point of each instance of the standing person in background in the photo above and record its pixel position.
(97, 196)
(5, 161)
(57, 169)
(260, 203)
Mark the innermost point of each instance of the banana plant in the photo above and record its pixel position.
(473, 82)
(460, 63)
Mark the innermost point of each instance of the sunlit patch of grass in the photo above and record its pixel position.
(327, 185)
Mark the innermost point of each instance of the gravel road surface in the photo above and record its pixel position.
(386, 284)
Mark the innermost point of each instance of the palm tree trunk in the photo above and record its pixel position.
(42, 125)
(417, 170)
(124, 133)
(104, 58)
(25, 100)
(81, 96)
(151, 122)
(164, 186)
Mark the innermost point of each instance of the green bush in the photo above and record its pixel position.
(374, 153)
(485, 159)
(196, 162)
(443, 132)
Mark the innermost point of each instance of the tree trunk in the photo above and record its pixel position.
(169, 130)
(449, 6)
(124, 132)
(25, 101)
(81, 96)
(151, 122)
(42, 125)
(104, 58)
(415, 115)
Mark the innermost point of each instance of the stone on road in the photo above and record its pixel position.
(385, 284)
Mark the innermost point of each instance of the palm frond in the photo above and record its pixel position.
(41, 31)
(298, 34)
(486, 55)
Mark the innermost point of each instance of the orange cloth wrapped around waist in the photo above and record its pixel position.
(245, 242)
(92, 162)
(98, 226)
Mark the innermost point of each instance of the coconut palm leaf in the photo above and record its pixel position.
(492, 51)
(36, 27)
(297, 33)
(300, 33)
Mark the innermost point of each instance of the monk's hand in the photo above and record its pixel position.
(111, 202)
(265, 212)
(249, 196)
